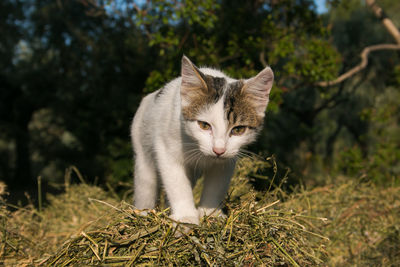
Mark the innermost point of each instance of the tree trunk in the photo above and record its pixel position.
(330, 144)
(22, 175)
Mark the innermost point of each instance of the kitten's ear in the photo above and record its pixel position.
(192, 81)
(258, 89)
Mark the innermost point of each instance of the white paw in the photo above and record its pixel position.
(143, 213)
(203, 211)
(187, 224)
(185, 219)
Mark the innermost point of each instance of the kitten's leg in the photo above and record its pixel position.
(177, 187)
(145, 174)
(216, 184)
(145, 182)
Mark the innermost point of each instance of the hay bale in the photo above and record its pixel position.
(254, 233)
(349, 223)
(258, 230)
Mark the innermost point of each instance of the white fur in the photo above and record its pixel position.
(178, 152)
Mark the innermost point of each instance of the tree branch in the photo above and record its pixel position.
(390, 27)
(262, 59)
(361, 66)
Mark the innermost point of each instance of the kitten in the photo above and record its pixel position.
(193, 126)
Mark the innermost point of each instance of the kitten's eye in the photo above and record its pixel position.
(238, 130)
(204, 125)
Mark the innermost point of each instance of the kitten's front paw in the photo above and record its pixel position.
(203, 211)
(185, 219)
(187, 223)
(143, 213)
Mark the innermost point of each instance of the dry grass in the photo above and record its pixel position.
(363, 225)
(347, 224)
(29, 236)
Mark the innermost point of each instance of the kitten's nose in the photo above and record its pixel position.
(219, 150)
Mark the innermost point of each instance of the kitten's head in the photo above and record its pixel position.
(220, 113)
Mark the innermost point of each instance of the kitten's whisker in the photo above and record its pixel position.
(192, 155)
(250, 153)
(189, 152)
(233, 161)
(242, 155)
(197, 161)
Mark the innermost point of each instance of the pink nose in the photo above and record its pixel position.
(219, 150)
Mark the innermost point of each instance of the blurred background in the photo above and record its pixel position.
(72, 74)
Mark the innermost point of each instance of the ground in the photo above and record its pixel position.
(350, 222)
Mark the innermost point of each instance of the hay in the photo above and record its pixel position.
(252, 234)
(29, 236)
(363, 221)
(347, 224)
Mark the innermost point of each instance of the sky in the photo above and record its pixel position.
(321, 7)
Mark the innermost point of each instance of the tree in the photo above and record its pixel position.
(370, 93)
(73, 73)
(15, 115)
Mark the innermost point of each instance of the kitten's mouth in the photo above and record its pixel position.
(211, 155)
(219, 157)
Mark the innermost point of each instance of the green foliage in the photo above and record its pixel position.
(383, 159)
(156, 79)
(88, 65)
(397, 75)
(351, 161)
(119, 161)
(316, 60)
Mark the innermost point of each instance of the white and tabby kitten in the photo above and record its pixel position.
(193, 126)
